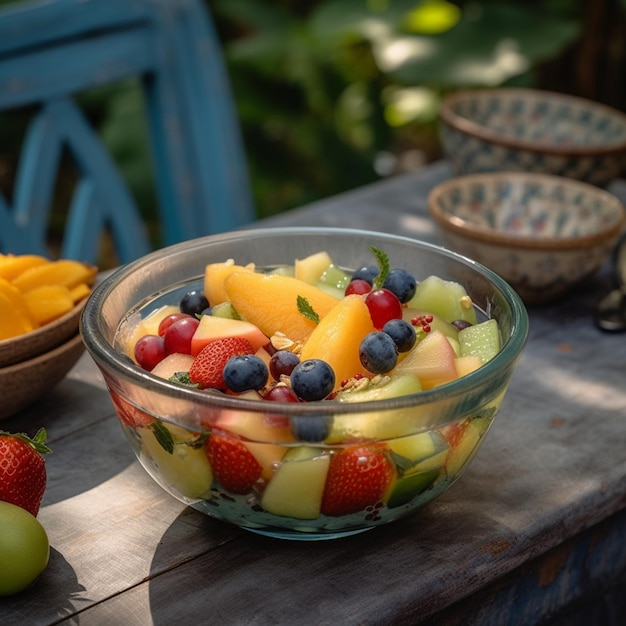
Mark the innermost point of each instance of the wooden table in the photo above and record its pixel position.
(533, 531)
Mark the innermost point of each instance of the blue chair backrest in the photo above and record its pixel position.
(52, 51)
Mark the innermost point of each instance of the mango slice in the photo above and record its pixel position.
(338, 336)
(12, 322)
(270, 302)
(62, 272)
(12, 265)
(48, 302)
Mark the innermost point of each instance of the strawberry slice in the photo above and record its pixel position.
(208, 366)
(357, 478)
(234, 466)
(130, 415)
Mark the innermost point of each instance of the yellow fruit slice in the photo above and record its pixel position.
(48, 302)
(64, 272)
(214, 276)
(311, 268)
(338, 336)
(19, 308)
(11, 266)
(12, 323)
(270, 302)
(80, 292)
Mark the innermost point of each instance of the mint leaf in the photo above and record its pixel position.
(163, 436)
(382, 259)
(306, 310)
(182, 378)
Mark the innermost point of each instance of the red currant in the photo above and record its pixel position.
(179, 334)
(149, 351)
(383, 306)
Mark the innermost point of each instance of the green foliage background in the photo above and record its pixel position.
(332, 94)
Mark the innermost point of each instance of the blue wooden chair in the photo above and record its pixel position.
(52, 51)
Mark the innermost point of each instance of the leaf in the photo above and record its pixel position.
(163, 436)
(306, 310)
(182, 378)
(383, 266)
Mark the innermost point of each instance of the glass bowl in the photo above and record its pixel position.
(441, 429)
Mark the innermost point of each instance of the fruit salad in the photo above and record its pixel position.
(352, 344)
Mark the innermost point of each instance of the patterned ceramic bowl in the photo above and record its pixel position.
(534, 131)
(543, 234)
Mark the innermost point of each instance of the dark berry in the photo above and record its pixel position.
(245, 372)
(282, 363)
(401, 283)
(402, 333)
(311, 428)
(461, 324)
(193, 303)
(312, 380)
(378, 353)
(367, 273)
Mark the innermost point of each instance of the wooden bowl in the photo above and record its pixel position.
(41, 340)
(23, 383)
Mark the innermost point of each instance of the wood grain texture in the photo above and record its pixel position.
(533, 524)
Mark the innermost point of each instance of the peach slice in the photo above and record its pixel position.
(211, 328)
(337, 338)
(270, 302)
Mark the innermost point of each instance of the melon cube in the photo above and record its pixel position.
(445, 298)
(431, 360)
(481, 340)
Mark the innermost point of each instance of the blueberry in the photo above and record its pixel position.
(312, 380)
(311, 428)
(193, 303)
(244, 372)
(401, 283)
(461, 324)
(402, 333)
(378, 352)
(367, 273)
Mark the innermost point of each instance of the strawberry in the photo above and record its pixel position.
(234, 466)
(129, 414)
(357, 478)
(208, 366)
(23, 474)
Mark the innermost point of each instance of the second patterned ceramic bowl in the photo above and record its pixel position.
(542, 234)
(533, 131)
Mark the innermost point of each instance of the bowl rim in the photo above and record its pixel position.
(478, 232)
(472, 128)
(102, 351)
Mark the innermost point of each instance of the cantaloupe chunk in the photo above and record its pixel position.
(270, 302)
(172, 364)
(467, 364)
(211, 328)
(431, 360)
(214, 276)
(337, 338)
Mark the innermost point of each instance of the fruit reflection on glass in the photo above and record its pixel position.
(305, 400)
